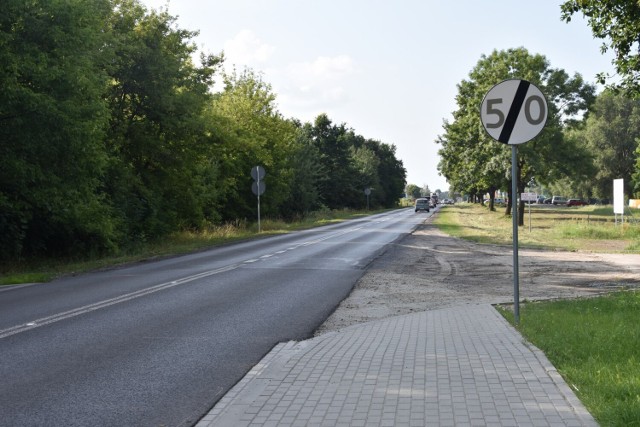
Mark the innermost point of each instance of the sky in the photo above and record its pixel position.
(387, 69)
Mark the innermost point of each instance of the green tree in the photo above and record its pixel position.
(366, 165)
(52, 123)
(337, 188)
(636, 175)
(256, 134)
(414, 191)
(473, 162)
(306, 174)
(611, 135)
(392, 175)
(617, 22)
(158, 166)
(350, 163)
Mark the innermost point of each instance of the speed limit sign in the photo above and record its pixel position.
(514, 112)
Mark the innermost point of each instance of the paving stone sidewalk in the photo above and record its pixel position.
(461, 366)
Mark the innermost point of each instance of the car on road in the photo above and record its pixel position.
(422, 204)
(540, 200)
(576, 202)
(558, 200)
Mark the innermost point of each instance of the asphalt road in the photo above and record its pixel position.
(158, 343)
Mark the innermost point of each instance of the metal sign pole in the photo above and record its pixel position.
(258, 187)
(514, 214)
(514, 112)
(259, 230)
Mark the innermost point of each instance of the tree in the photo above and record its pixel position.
(337, 187)
(306, 173)
(474, 163)
(255, 134)
(52, 123)
(618, 23)
(350, 163)
(157, 96)
(413, 191)
(636, 175)
(392, 175)
(611, 134)
(366, 164)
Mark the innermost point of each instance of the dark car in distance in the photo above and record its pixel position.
(576, 202)
(422, 204)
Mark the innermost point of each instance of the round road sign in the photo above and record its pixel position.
(514, 112)
(258, 189)
(257, 173)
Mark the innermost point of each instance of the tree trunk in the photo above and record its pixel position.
(492, 199)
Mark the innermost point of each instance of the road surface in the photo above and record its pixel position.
(158, 343)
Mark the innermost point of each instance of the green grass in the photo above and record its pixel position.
(595, 345)
(587, 228)
(46, 269)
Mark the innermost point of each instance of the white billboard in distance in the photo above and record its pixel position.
(618, 196)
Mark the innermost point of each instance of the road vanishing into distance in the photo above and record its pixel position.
(159, 342)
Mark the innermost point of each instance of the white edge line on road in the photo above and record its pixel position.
(4, 333)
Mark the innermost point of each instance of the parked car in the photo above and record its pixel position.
(576, 202)
(540, 200)
(547, 201)
(422, 204)
(558, 200)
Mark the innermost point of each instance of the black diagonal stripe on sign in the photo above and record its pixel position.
(510, 121)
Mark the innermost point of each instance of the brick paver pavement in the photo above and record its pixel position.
(461, 366)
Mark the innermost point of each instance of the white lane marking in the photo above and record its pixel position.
(106, 303)
(4, 333)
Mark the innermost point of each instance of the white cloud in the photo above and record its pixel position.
(246, 49)
(317, 86)
(323, 69)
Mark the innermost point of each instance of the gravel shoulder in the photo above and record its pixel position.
(428, 270)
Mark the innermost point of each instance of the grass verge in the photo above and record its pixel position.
(587, 228)
(44, 270)
(595, 345)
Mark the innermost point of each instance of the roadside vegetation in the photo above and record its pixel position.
(586, 228)
(114, 135)
(594, 343)
(45, 269)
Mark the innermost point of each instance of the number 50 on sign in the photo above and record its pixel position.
(514, 112)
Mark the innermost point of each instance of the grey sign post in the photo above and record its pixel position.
(258, 187)
(367, 192)
(514, 112)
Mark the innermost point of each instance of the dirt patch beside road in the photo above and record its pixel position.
(429, 269)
